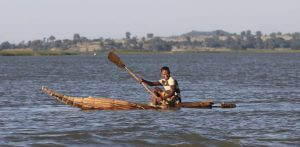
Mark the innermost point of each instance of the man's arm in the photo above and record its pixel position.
(172, 91)
(150, 83)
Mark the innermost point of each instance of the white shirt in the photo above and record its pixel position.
(167, 84)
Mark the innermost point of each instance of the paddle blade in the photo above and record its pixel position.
(115, 59)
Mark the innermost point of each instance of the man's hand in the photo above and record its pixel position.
(141, 80)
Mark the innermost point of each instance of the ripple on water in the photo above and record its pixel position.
(264, 86)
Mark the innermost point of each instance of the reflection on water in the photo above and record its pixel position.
(264, 86)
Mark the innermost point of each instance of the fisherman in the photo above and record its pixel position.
(171, 95)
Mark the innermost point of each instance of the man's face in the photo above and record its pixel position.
(165, 74)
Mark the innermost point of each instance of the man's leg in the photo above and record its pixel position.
(156, 101)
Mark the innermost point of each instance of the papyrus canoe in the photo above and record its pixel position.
(100, 103)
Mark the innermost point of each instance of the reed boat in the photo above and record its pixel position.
(101, 103)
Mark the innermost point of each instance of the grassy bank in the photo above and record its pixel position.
(278, 50)
(139, 52)
(29, 52)
(15, 52)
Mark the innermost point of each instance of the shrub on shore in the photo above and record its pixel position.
(35, 53)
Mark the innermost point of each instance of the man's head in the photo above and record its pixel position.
(165, 72)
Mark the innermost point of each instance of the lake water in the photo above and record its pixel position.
(265, 87)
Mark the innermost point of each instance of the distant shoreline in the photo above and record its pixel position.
(208, 50)
(226, 50)
(29, 52)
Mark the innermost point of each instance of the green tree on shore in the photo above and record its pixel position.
(5, 45)
(215, 39)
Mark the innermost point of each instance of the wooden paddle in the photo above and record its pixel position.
(116, 60)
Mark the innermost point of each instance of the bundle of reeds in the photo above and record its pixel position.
(87, 103)
(100, 103)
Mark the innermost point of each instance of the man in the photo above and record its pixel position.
(171, 95)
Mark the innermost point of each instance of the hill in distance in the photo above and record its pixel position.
(195, 33)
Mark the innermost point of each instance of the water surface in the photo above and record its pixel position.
(265, 88)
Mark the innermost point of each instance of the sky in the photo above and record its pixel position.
(24, 20)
